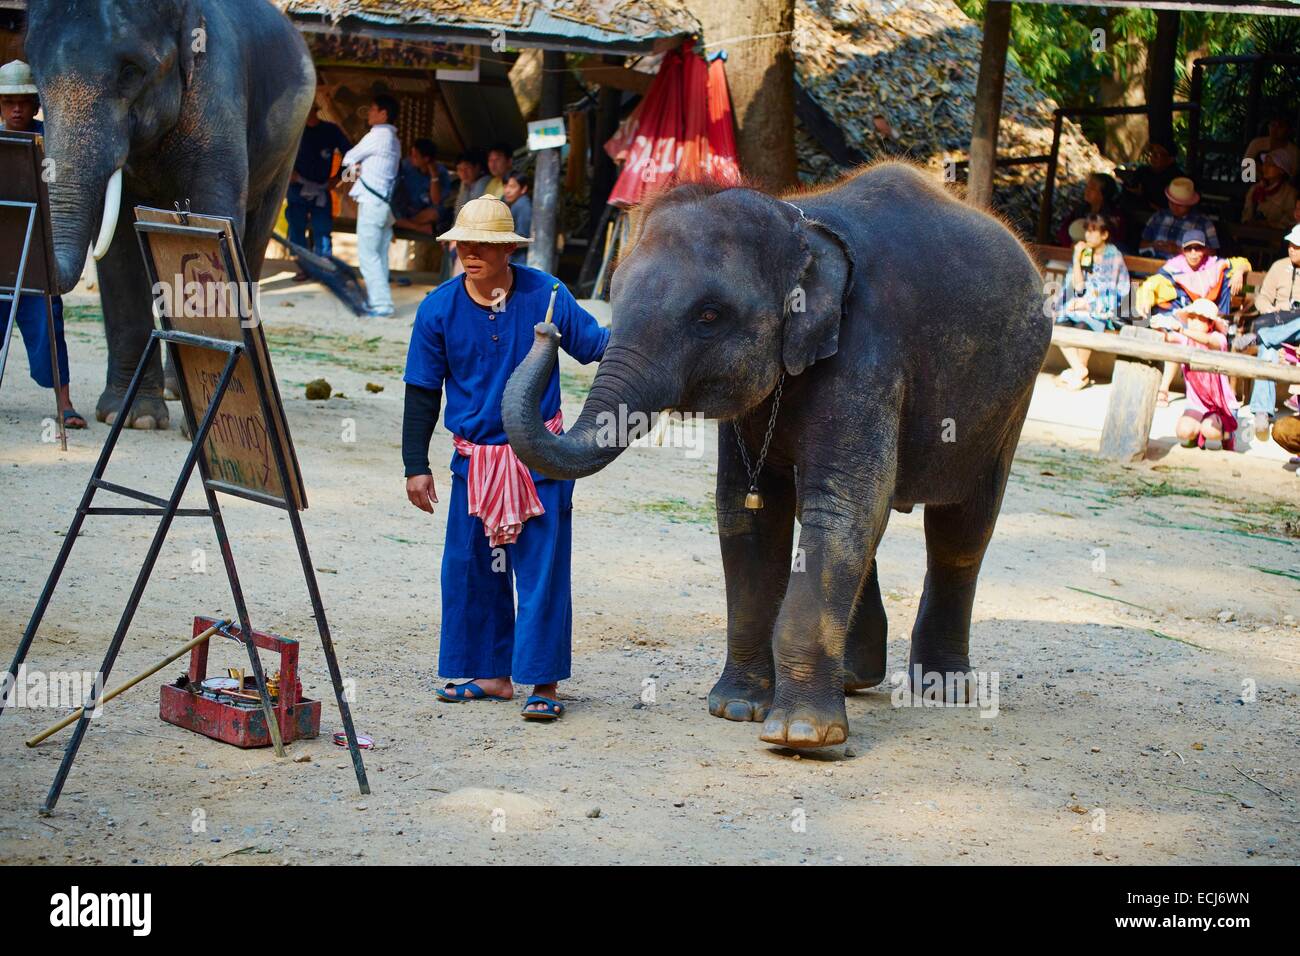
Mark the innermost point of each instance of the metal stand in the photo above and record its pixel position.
(14, 298)
(166, 510)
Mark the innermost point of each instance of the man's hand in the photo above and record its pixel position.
(420, 491)
(1237, 281)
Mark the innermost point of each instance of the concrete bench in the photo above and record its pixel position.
(1139, 355)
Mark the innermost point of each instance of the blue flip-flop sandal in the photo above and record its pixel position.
(552, 709)
(459, 693)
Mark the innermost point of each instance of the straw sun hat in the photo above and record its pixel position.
(16, 80)
(486, 219)
(1182, 191)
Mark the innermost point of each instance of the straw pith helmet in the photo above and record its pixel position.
(16, 80)
(486, 219)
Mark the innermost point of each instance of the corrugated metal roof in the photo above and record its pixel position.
(621, 23)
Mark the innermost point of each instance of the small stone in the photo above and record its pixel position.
(850, 752)
(302, 758)
(1095, 750)
(1226, 616)
(593, 813)
(679, 803)
(373, 388)
(318, 390)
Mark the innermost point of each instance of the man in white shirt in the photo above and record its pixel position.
(379, 153)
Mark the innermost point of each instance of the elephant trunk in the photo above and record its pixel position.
(85, 185)
(602, 430)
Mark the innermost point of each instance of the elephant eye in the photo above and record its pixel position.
(708, 315)
(129, 74)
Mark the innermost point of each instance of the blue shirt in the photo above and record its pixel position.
(469, 351)
(316, 151)
(1164, 226)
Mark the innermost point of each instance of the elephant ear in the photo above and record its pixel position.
(189, 36)
(816, 304)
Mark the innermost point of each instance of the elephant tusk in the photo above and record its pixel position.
(112, 207)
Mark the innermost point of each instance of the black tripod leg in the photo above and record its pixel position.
(232, 574)
(74, 529)
(133, 602)
(327, 644)
(54, 370)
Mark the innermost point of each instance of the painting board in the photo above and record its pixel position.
(198, 275)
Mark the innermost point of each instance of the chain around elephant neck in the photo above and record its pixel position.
(755, 468)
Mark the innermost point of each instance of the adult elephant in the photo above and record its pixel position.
(156, 102)
(899, 332)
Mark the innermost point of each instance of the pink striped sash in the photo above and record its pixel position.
(501, 491)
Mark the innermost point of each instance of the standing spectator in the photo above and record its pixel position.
(1277, 137)
(19, 104)
(1278, 302)
(521, 210)
(1272, 200)
(1211, 411)
(1097, 284)
(374, 162)
(309, 203)
(500, 163)
(1164, 230)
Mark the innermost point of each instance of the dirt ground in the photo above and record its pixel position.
(1141, 621)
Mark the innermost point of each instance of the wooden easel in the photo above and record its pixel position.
(27, 263)
(247, 363)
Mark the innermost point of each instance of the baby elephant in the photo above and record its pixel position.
(868, 346)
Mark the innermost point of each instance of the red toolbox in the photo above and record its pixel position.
(234, 718)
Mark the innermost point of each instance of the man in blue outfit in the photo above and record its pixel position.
(19, 103)
(309, 205)
(504, 521)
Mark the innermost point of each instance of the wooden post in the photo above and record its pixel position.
(1161, 78)
(1049, 181)
(1134, 387)
(988, 103)
(546, 175)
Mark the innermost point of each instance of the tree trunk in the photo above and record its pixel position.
(1126, 136)
(760, 75)
(988, 104)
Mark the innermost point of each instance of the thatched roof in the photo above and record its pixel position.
(625, 24)
(916, 62)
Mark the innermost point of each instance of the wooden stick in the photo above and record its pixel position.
(76, 714)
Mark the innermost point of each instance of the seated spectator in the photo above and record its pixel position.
(1196, 274)
(1211, 410)
(1287, 434)
(521, 209)
(470, 171)
(1277, 137)
(1146, 187)
(1278, 303)
(420, 184)
(1098, 282)
(500, 163)
(1272, 201)
(1099, 195)
(1162, 237)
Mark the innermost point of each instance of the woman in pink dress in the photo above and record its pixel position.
(1211, 410)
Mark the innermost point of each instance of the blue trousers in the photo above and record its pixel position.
(482, 635)
(36, 336)
(302, 215)
(1263, 396)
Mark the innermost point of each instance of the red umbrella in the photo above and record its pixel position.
(682, 129)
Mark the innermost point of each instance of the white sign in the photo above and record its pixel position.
(546, 134)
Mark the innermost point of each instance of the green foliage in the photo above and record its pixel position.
(1054, 46)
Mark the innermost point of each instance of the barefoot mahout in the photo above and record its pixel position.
(154, 102)
(902, 331)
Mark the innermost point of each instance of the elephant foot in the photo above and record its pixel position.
(149, 411)
(805, 726)
(942, 677)
(860, 675)
(740, 698)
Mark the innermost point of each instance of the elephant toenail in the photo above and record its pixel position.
(737, 710)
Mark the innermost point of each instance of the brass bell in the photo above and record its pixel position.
(754, 500)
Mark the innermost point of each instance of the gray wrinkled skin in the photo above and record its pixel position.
(909, 375)
(123, 87)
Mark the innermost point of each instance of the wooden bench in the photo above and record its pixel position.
(1139, 354)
